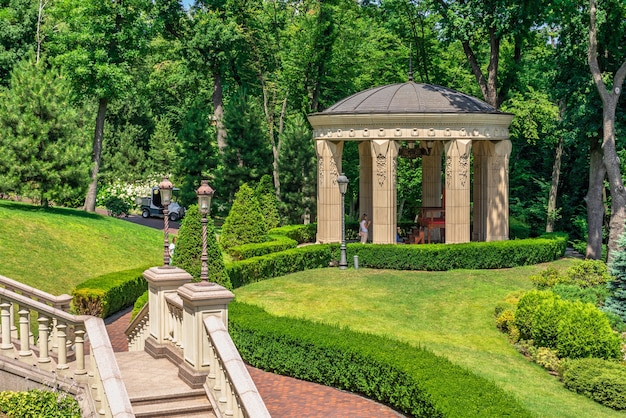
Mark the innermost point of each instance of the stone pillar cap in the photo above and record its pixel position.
(197, 292)
(164, 275)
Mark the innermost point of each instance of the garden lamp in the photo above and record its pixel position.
(205, 194)
(343, 181)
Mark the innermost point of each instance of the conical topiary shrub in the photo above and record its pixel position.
(266, 194)
(245, 223)
(188, 251)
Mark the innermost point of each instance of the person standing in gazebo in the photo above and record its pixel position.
(364, 228)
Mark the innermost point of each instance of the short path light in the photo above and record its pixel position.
(205, 194)
(343, 181)
(165, 189)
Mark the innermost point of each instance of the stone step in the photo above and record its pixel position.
(191, 404)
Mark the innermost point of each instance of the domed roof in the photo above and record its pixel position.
(409, 97)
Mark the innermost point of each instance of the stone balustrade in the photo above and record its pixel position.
(59, 351)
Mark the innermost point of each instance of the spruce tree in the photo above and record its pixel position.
(245, 223)
(188, 250)
(266, 195)
(616, 302)
(297, 171)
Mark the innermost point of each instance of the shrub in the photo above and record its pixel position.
(547, 358)
(103, 296)
(188, 252)
(117, 207)
(601, 380)
(518, 229)
(547, 278)
(266, 195)
(412, 380)
(574, 329)
(594, 295)
(300, 233)
(588, 273)
(277, 243)
(139, 304)
(39, 403)
(245, 222)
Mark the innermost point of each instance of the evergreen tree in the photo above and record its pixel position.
(43, 148)
(616, 302)
(247, 156)
(245, 223)
(266, 195)
(196, 151)
(188, 250)
(297, 171)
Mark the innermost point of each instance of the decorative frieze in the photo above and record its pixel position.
(432, 132)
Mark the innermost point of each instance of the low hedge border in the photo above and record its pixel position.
(108, 294)
(276, 243)
(411, 380)
(302, 233)
(601, 380)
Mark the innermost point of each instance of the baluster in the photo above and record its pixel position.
(223, 389)
(25, 351)
(12, 312)
(61, 339)
(179, 330)
(7, 345)
(43, 339)
(229, 398)
(79, 341)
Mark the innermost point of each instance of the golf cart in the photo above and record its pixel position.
(151, 206)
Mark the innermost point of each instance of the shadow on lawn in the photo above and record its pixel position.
(27, 207)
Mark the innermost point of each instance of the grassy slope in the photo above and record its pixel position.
(450, 313)
(56, 249)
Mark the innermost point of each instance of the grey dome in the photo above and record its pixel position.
(409, 97)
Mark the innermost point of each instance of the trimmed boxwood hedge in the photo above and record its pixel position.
(409, 379)
(276, 243)
(302, 233)
(105, 295)
(601, 380)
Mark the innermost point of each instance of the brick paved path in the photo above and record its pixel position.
(285, 397)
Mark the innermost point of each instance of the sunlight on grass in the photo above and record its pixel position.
(56, 249)
(449, 313)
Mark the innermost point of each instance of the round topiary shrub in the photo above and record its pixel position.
(245, 223)
(188, 251)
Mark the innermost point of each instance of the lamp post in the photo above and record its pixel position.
(165, 189)
(342, 181)
(204, 193)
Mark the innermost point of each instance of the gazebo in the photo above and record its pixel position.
(422, 120)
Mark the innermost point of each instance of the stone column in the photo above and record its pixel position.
(200, 301)
(458, 190)
(328, 196)
(498, 191)
(431, 182)
(161, 281)
(365, 180)
(384, 213)
(479, 211)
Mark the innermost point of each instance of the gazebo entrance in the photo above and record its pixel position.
(435, 122)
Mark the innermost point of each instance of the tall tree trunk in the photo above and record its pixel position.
(611, 160)
(39, 36)
(593, 199)
(92, 190)
(554, 187)
(218, 110)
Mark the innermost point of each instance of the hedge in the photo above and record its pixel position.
(601, 380)
(302, 233)
(105, 295)
(277, 243)
(409, 379)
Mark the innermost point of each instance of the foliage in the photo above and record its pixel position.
(573, 329)
(43, 152)
(584, 274)
(297, 171)
(411, 380)
(17, 34)
(616, 302)
(595, 295)
(108, 294)
(601, 380)
(245, 223)
(39, 403)
(277, 243)
(547, 278)
(266, 195)
(301, 233)
(188, 252)
(117, 207)
(139, 304)
(518, 229)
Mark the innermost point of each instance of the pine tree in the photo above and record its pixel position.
(188, 250)
(247, 156)
(43, 149)
(266, 195)
(245, 223)
(297, 171)
(616, 302)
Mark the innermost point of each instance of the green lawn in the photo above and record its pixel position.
(450, 313)
(56, 249)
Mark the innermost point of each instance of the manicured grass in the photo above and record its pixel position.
(450, 313)
(55, 249)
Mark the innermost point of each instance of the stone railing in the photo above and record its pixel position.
(188, 325)
(58, 351)
(138, 330)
